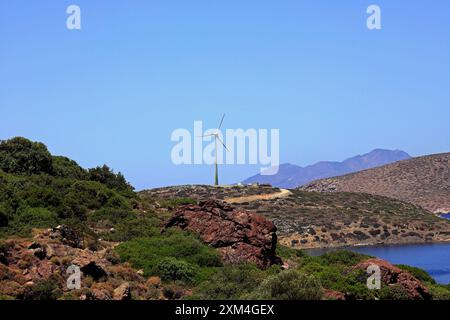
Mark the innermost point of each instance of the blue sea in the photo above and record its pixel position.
(446, 216)
(433, 258)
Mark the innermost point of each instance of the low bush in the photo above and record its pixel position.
(288, 285)
(43, 290)
(394, 292)
(145, 253)
(36, 217)
(132, 227)
(439, 292)
(173, 269)
(230, 282)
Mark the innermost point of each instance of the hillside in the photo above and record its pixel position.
(424, 181)
(292, 176)
(313, 219)
(160, 244)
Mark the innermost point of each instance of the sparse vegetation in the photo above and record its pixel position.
(288, 285)
(39, 191)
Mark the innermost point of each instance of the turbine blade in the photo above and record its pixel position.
(206, 135)
(221, 121)
(223, 144)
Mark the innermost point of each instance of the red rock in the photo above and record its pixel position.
(391, 274)
(45, 269)
(333, 295)
(240, 236)
(123, 292)
(154, 282)
(99, 294)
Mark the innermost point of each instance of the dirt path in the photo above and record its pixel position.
(283, 193)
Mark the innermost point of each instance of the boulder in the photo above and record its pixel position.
(100, 294)
(239, 235)
(68, 236)
(333, 295)
(154, 282)
(123, 292)
(94, 270)
(392, 275)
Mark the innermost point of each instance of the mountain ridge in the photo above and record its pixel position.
(292, 176)
(423, 181)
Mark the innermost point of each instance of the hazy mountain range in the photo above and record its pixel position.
(291, 176)
(424, 181)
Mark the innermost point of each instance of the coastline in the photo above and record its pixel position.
(376, 244)
(379, 245)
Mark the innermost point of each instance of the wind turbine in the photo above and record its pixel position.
(216, 136)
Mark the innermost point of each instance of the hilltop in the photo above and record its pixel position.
(423, 181)
(313, 219)
(292, 176)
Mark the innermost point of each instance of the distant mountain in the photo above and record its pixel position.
(424, 181)
(292, 176)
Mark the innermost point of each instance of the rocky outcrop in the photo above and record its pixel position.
(333, 295)
(67, 236)
(26, 266)
(123, 292)
(392, 275)
(239, 235)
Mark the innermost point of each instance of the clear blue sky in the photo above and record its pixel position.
(114, 91)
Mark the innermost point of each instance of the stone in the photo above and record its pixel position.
(333, 295)
(67, 236)
(123, 292)
(99, 294)
(154, 281)
(392, 275)
(94, 270)
(239, 235)
(40, 253)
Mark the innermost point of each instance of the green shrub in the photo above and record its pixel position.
(113, 180)
(145, 253)
(230, 282)
(37, 190)
(289, 285)
(172, 203)
(393, 292)
(132, 228)
(287, 253)
(43, 290)
(72, 207)
(173, 269)
(36, 218)
(66, 168)
(91, 194)
(111, 215)
(22, 156)
(334, 272)
(342, 257)
(439, 292)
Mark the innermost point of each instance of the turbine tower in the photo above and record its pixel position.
(216, 136)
